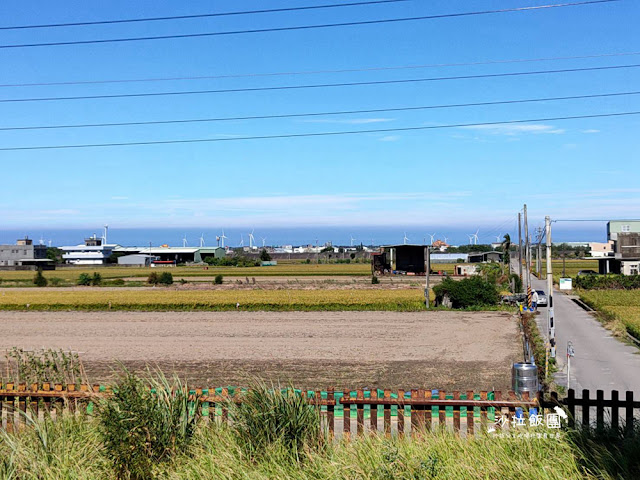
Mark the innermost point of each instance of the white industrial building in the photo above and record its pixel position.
(93, 252)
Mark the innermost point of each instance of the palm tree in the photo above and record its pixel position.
(506, 247)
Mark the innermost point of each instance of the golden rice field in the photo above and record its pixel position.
(167, 299)
(572, 267)
(621, 304)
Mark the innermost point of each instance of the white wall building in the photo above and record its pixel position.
(93, 252)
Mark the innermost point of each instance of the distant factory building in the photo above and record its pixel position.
(485, 257)
(136, 260)
(625, 235)
(401, 259)
(25, 254)
(175, 254)
(94, 251)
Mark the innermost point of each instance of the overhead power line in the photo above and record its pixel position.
(322, 114)
(316, 134)
(304, 27)
(317, 72)
(200, 15)
(320, 85)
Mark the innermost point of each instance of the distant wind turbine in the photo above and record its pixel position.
(104, 236)
(263, 241)
(251, 239)
(498, 238)
(405, 239)
(222, 237)
(446, 239)
(184, 240)
(475, 237)
(352, 240)
(201, 240)
(432, 235)
(241, 240)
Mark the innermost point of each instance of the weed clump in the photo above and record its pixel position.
(270, 417)
(142, 426)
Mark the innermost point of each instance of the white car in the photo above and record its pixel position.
(542, 298)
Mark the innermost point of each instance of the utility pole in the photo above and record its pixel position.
(520, 245)
(550, 320)
(427, 268)
(527, 252)
(539, 254)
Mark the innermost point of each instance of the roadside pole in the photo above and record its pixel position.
(520, 245)
(570, 353)
(527, 259)
(550, 320)
(427, 269)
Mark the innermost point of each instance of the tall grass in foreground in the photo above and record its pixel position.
(74, 450)
(140, 427)
(154, 434)
(271, 416)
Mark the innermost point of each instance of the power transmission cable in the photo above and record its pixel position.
(320, 114)
(318, 72)
(304, 27)
(320, 85)
(316, 134)
(200, 15)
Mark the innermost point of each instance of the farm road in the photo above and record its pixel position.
(601, 361)
(446, 350)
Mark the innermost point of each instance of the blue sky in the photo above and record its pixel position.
(460, 177)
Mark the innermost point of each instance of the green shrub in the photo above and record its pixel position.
(141, 426)
(374, 280)
(165, 278)
(153, 278)
(218, 279)
(516, 283)
(55, 281)
(468, 292)
(597, 282)
(96, 279)
(39, 280)
(84, 279)
(117, 282)
(264, 255)
(271, 416)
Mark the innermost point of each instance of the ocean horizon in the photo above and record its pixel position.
(340, 235)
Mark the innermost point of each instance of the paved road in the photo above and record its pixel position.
(601, 361)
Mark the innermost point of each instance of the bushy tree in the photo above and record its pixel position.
(264, 255)
(84, 279)
(468, 292)
(39, 280)
(218, 279)
(165, 278)
(153, 278)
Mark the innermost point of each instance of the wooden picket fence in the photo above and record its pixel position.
(392, 413)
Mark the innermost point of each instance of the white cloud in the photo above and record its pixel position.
(117, 197)
(516, 129)
(389, 138)
(591, 130)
